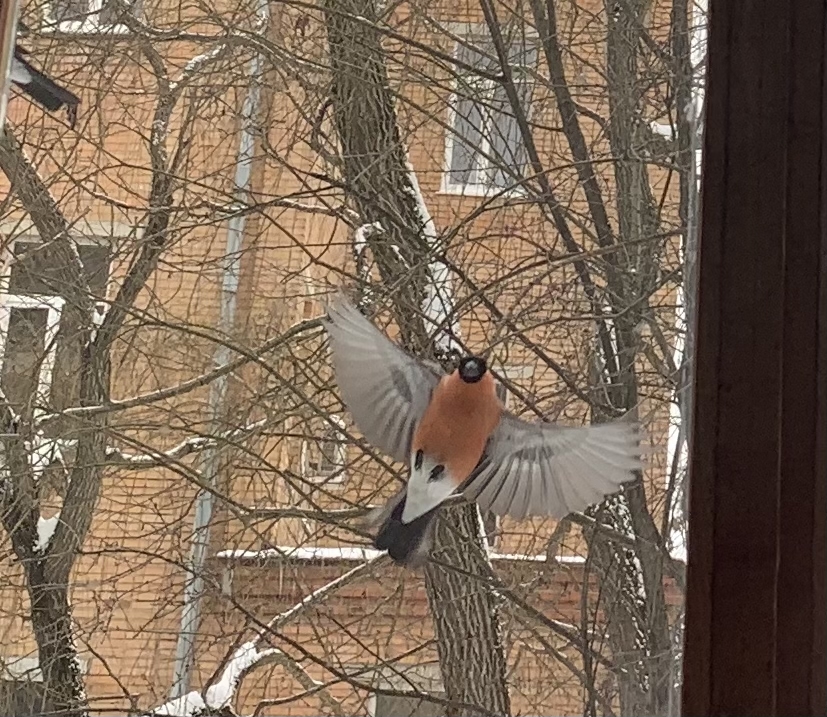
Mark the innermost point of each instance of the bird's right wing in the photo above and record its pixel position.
(546, 469)
(385, 389)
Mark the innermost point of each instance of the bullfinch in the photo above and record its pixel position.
(456, 436)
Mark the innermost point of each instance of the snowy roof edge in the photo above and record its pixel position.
(349, 554)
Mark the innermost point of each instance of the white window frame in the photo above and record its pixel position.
(89, 25)
(338, 474)
(489, 187)
(53, 305)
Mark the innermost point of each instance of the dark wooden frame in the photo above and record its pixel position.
(756, 605)
(8, 33)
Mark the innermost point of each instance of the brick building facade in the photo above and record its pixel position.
(128, 585)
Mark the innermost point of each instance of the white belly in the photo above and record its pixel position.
(424, 494)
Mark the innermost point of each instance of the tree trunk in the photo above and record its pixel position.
(632, 581)
(47, 570)
(466, 615)
(52, 626)
(374, 164)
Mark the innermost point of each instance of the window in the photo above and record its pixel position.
(40, 355)
(34, 269)
(88, 16)
(393, 706)
(22, 691)
(406, 678)
(324, 452)
(23, 698)
(484, 146)
(28, 328)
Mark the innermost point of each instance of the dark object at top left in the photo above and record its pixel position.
(41, 88)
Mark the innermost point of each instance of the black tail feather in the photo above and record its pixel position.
(407, 543)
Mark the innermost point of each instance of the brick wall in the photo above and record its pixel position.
(128, 584)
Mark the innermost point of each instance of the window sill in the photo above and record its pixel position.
(90, 26)
(481, 191)
(325, 480)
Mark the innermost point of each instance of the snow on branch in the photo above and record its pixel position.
(190, 704)
(245, 658)
(45, 531)
(221, 693)
(184, 448)
(361, 236)
(196, 64)
(236, 208)
(248, 656)
(346, 554)
(318, 595)
(44, 452)
(438, 305)
(145, 460)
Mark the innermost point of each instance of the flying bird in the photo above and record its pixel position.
(41, 88)
(456, 436)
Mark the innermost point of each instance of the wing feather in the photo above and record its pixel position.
(508, 488)
(385, 389)
(551, 470)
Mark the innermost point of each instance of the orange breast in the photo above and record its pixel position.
(458, 422)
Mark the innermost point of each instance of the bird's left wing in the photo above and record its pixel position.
(385, 389)
(545, 469)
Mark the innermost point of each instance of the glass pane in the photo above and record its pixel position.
(65, 388)
(479, 55)
(329, 450)
(23, 355)
(507, 146)
(36, 269)
(24, 698)
(110, 13)
(391, 706)
(585, 280)
(492, 114)
(66, 10)
(324, 457)
(466, 140)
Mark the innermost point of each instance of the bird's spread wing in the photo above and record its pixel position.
(546, 469)
(385, 389)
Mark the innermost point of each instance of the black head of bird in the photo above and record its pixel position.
(472, 369)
